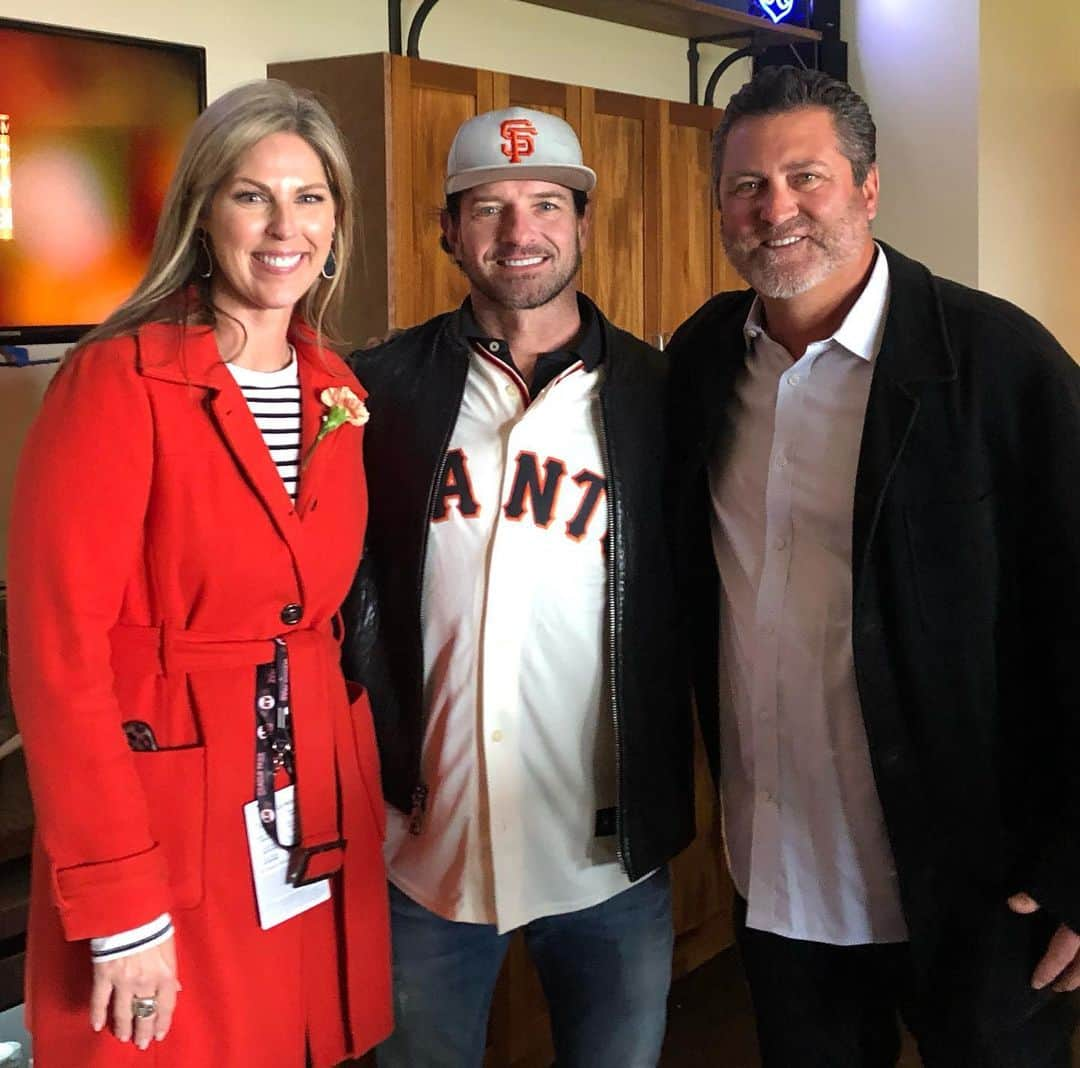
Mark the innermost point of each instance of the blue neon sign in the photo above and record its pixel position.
(777, 10)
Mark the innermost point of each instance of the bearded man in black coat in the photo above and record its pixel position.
(876, 513)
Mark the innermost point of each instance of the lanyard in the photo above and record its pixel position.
(273, 734)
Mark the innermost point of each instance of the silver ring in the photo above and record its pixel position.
(143, 1008)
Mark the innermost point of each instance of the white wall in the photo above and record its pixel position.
(916, 62)
(1029, 163)
(977, 105)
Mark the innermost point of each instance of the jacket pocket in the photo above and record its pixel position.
(174, 784)
(367, 754)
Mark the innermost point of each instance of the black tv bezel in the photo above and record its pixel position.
(70, 333)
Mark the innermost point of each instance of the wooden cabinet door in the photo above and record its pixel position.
(701, 891)
(429, 101)
(555, 98)
(618, 138)
(691, 255)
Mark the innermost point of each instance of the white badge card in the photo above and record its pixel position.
(277, 898)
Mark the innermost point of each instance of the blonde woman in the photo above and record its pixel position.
(189, 512)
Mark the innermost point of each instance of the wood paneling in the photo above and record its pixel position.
(430, 102)
(519, 1033)
(340, 82)
(513, 90)
(701, 891)
(613, 141)
(689, 221)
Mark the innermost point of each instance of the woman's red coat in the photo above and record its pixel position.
(149, 517)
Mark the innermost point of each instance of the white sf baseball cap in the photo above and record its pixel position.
(516, 143)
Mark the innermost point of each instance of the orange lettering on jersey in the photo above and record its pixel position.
(529, 488)
(518, 139)
(594, 485)
(455, 483)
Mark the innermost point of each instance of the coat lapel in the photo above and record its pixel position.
(706, 363)
(316, 460)
(191, 358)
(915, 351)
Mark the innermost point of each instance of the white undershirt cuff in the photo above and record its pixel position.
(135, 940)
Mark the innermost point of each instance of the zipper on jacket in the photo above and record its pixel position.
(622, 850)
(419, 808)
(416, 820)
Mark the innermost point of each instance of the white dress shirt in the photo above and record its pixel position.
(519, 746)
(803, 822)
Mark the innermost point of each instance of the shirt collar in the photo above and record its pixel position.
(863, 326)
(587, 345)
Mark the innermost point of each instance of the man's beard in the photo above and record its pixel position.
(832, 248)
(519, 294)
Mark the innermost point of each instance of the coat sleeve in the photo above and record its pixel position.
(76, 541)
(1048, 559)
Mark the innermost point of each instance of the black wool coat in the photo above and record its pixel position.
(966, 607)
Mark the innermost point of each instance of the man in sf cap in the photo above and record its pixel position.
(513, 622)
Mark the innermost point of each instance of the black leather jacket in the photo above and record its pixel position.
(415, 384)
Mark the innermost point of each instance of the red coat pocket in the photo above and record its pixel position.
(174, 782)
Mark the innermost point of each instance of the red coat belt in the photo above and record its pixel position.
(313, 653)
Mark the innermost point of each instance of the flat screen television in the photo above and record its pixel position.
(91, 127)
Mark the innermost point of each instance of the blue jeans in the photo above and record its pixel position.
(605, 971)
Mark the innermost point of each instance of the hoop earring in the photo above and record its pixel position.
(203, 250)
(330, 267)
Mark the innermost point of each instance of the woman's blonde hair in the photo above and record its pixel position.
(173, 289)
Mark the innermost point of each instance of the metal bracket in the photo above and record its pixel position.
(693, 55)
(802, 62)
(415, 27)
(755, 44)
(393, 18)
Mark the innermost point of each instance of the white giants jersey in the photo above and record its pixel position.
(519, 752)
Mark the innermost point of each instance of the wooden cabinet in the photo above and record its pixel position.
(654, 254)
(653, 257)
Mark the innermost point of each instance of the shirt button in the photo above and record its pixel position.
(782, 461)
(292, 613)
(511, 390)
(493, 346)
(794, 380)
(780, 543)
(496, 736)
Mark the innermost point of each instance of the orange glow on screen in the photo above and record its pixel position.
(96, 128)
(6, 221)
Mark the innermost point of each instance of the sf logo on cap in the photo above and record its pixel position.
(517, 135)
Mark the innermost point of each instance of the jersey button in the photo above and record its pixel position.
(291, 613)
(496, 736)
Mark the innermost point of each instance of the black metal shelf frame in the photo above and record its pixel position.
(415, 27)
(753, 44)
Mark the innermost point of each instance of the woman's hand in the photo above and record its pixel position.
(148, 974)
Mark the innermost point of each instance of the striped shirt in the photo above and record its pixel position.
(274, 400)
